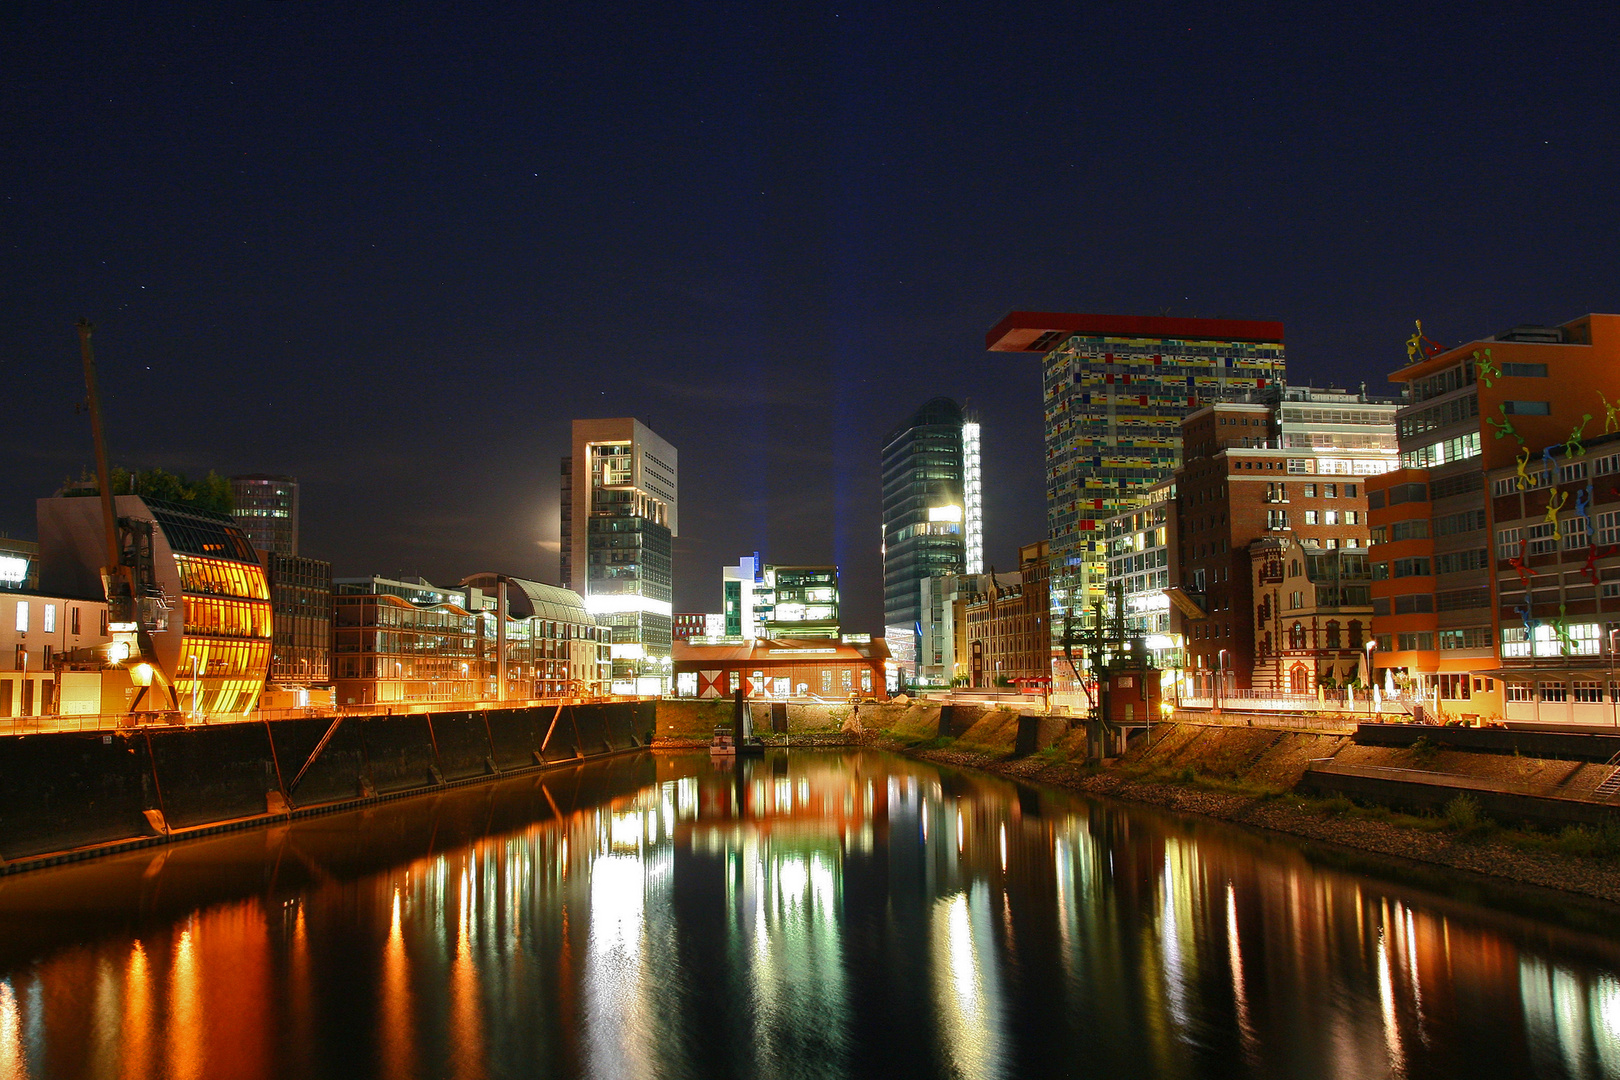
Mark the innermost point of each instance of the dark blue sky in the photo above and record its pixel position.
(393, 252)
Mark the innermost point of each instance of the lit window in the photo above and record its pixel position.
(50, 619)
(22, 616)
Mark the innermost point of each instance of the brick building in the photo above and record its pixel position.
(1008, 634)
(1250, 471)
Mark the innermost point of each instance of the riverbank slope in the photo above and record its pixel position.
(1247, 776)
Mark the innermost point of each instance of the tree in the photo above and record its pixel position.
(212, 492)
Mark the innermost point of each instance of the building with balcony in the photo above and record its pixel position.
(619, 515)
(1313, 614)
(798, 602)
(202, 632)
(266, 509)
(1477, 422)
(44, 640)
(1555, 559)
(932, 516)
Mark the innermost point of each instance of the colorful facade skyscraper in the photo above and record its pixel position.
(1116, 389)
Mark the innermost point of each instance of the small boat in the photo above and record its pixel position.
(724, 744)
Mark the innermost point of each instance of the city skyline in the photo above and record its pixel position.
(373, 273)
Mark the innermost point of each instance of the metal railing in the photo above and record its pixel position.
(107, 722)
(1328, 701)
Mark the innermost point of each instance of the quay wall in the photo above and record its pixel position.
(69, 794)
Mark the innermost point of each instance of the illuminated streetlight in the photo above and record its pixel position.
(1612, 706)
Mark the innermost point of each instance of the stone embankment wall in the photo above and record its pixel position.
(686, 720)
(72, 794)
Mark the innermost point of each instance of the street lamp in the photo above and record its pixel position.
(1220, 677)
(1612, 706)
(1372, 683)
(195, 672)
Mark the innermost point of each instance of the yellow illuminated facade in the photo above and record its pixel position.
(225, 651)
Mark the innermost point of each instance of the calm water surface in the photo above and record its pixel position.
(813, 915)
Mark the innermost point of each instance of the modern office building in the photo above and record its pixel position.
(202, 636)
(942, 652)
(1492, 448)
(798, 602)
(266, 509)
(619, 514)
(301, 620)
(553, 646)
(1116, 389)
(932, 516)
(1140, 545)
(411, 642)
(1238, 483)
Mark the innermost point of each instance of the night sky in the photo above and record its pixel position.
(395, 252)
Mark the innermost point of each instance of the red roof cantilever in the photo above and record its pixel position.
(1036, 331)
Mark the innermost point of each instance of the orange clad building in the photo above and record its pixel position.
(1468, 410)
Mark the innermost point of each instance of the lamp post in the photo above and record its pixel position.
(1612, 705)
(1220, 678)
(196, 671)
(1372, 683)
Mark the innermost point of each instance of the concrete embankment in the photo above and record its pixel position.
(69, 795)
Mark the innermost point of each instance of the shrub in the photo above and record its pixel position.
(1424, 751)
(1337, 805)
(1463, 814)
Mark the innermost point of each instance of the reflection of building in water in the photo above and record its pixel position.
(676, 919)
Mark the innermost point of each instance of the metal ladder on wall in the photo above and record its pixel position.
(1611, 783)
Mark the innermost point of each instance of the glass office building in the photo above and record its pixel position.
(928, 516)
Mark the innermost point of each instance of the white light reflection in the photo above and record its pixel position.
(966, 991)
(13, 1059)
(1235, 952)
(1386, 999)
(616, 1040)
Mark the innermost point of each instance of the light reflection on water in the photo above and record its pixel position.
(817, 915)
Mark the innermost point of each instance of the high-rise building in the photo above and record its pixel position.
(266, 509)
(932, 516)
(618, 518)
(1116, 390)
